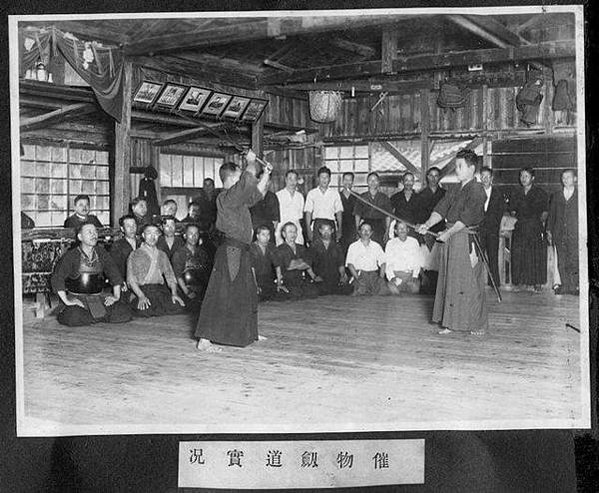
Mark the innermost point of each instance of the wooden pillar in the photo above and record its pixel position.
(389, 49)
(122, 151)
(257, 136)
(425, 128)
(485, 125)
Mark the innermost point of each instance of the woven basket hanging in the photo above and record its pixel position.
(325, 105)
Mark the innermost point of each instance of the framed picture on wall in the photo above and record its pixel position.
(170, 95)
(216, 104)
(236, 107)
(194, 99)
(254, 110)
(146, 93)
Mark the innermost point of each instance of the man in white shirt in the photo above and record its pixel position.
(366, 263)
(323, 204)
(291, 207)
(403, 261)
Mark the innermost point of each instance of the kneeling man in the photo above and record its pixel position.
(366, 263)
(147, 268)
(403, 261)
(78, 279)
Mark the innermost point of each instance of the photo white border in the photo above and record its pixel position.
(48, 428)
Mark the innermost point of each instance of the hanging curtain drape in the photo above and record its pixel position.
(98, 65)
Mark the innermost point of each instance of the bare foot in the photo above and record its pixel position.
(207, 346)
(262, 338)
(444, 331)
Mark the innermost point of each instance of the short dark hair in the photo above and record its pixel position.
(291, 172)
(164, 219)
(529, 169)
(193, 203)
(433, 168)
(226, 170)
(83, 224)
(570, 170)
(263, 227)
(365, 223)
(324, 169)
(192, 225)
(326, 223)
(487, 169)
(469, 156)
(150, 225)
(169, 201)
(406, 174)
(136, 201)
(349, 173)
(372, 173)
(81, 197)
(122, 219)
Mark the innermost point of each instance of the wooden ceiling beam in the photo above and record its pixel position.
(55, 116)
(185, 135)
(369, 86)
(365, 51)
(260, 28)
(542, 51)
(487, 28)
(391, 149)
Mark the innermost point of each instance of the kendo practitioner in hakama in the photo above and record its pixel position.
(229, 313)
(147, 269)
(191, 264)
(79, 281)
(460, 302)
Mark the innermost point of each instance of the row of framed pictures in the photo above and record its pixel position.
(198, 100)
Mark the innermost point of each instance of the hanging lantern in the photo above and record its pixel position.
(325, 105)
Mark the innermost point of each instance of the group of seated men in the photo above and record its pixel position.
(152, 272)
(292, 271)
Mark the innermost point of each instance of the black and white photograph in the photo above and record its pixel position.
(390, 235)
(216, 104)
(236, 107)
(194, 99)
(170, 95)
(147, 92)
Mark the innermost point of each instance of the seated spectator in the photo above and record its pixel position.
(328, 263)
(146, 267)
(366, 263)
(191, 265)
(292, 265)
(170, 208)
(403, 261)
(168, 242)
(262, 253)
(138, 207)
(82, 214)
(78, 279)
(122, 248)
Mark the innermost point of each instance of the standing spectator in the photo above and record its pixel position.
(562, 231)
(291, 207)
(378, 220)
(323, 204)
(348, 222)
(82, 214)
(489, 228)
(266, 213)
(207, 203)
(405, 203)
(529, 250)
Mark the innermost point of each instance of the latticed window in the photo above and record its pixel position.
(52, 176)
(181, 171)
(341, 159)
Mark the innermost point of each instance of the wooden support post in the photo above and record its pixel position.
(389, 49)
(122, 151)
(425, 128)
(257, 136)
(485, 124)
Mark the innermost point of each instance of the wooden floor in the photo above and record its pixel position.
(334, 363)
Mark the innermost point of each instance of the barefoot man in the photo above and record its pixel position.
(460, 298)
(229, 313)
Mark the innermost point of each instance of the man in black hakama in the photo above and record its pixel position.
(229, 313)
(460, 298)
(562, 231)
(78, 279)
